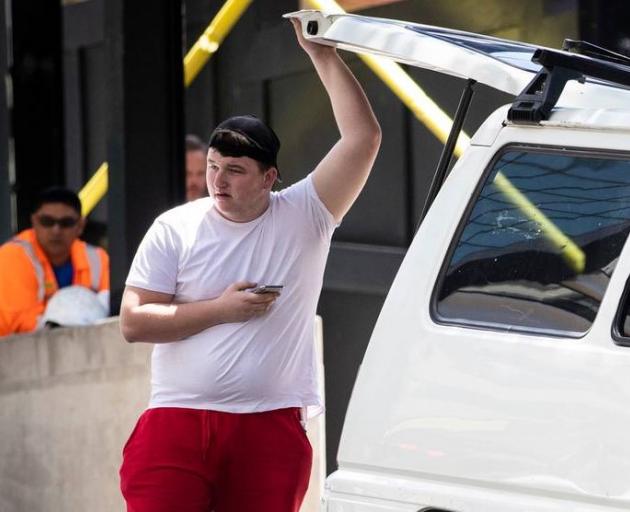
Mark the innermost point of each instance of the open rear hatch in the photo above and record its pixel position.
(513, 67)
(497, 63)
(535, 75)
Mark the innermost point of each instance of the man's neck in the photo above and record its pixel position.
(58, 260)
(248, 216)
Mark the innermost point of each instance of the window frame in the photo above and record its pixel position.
(463, 222)
(615, 332)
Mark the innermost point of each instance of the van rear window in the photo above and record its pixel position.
(540, 243)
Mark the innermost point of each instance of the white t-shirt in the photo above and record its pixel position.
(262, 364)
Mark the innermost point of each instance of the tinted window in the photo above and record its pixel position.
(540, 244)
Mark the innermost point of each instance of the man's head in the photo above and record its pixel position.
(242, 167)
(57, 221)
(196, 152)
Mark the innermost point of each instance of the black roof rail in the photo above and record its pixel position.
(535, 102)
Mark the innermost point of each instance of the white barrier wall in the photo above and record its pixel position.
(68, 400)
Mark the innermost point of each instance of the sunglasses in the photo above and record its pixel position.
(64, 222)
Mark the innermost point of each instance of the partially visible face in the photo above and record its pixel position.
(195, 175)
(239, 187)
(56, 239)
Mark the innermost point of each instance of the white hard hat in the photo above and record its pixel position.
(75, 305)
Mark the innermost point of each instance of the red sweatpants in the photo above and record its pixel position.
(189, 460)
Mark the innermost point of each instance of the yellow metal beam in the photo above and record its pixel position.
(439, 124)
(96, 188)
(212, 37)
(570, 251)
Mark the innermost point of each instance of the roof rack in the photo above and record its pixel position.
(535, 102)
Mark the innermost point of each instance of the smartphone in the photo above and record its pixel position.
(268, 288)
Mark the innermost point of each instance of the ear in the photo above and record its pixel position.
(270, 177)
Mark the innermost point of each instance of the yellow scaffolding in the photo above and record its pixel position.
(212, 37)
(94, 189)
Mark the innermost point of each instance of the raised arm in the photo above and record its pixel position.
(342, 173)
(153, 317)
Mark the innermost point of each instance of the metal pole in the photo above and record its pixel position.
(145, 126)
(6, 220)
(447, 153)
(195, 59)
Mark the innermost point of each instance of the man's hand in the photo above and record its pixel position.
(313, 50)
(239, 305)
(152, 316)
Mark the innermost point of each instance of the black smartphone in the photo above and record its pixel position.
(268, 288)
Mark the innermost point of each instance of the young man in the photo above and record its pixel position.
(233, 369)
(49, 256)
(196, 151)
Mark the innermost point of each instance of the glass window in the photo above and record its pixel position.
(539, 246)
(514, 53)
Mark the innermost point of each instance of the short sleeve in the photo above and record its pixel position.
(155, 265)
(303, 195)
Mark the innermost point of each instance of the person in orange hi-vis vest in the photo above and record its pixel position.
(39, 261)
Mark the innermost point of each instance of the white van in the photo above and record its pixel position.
(497, 378)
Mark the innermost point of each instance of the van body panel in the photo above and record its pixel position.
(512, 413)
(368, 489)
(613, 119)
(490, 128)
(591, 96)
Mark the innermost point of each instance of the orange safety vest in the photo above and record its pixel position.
(27, 279)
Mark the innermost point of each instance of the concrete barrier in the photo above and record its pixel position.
(68, 401)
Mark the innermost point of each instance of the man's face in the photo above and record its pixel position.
(56, 226)
(195, 175)
(239, 187)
